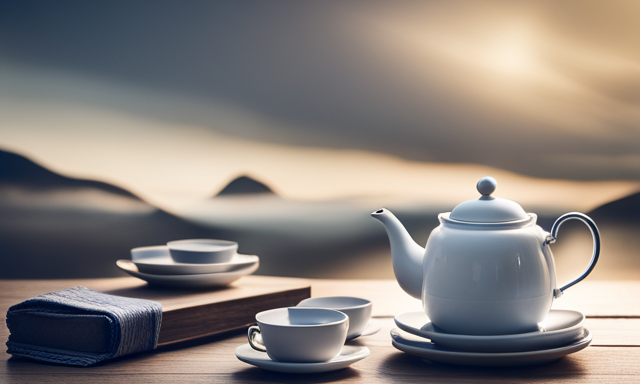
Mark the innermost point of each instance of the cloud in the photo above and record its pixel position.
(518, 86)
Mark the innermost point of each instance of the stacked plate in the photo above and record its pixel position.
(561, 333)
(195, 263)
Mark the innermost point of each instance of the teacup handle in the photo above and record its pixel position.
(255, 338)
(552, 237)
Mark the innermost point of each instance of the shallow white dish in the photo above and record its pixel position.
(358, 310)
(157, 260)
(417, 346)
(371, 329)
(200, 280)
(561, 327)
(348, 355)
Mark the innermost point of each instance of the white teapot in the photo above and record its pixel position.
(487, 268)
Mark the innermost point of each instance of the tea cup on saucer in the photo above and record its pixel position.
(202, 251)
(299, 335)
(358, 310)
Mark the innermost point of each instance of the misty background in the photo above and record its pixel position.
(335, 108)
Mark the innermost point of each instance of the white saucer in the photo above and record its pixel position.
(157, 260)
(417, 346)
(200, 280)
(561, 327)
(348, 355)
(371, 329)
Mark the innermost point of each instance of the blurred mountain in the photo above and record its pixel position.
(52, 226)
(19, 171)
(625, 209)
(245, 185)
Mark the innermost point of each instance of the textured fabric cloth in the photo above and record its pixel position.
(80, 326)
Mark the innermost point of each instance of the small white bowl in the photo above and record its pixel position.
(202, 251)
(358, 310)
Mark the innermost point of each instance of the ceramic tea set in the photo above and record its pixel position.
(195, 263)
(310, 337)
(487, 281)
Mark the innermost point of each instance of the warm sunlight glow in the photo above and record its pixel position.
(510, 56)
(500, 50)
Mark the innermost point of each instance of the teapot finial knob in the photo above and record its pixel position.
(486, 186)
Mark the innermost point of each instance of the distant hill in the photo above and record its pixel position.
(17, 170)
(245, 185)
(52, 226)
(625, 209)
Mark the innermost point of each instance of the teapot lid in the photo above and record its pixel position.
(488, 209)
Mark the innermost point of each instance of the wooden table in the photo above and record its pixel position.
(612, 309)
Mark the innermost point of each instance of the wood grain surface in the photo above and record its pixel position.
(613, 357)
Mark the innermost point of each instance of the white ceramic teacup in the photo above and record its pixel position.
(299, 335)
(358, 310)
(202, 251)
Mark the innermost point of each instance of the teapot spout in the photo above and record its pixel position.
(406, 253)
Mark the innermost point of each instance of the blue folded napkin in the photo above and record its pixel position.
(80, 326)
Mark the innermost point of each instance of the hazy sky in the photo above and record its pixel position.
(66, 124)
(548, 89)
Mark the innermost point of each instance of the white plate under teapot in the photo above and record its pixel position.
(420, 347)
(561, 327)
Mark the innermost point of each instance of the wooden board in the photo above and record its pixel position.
(188, 314)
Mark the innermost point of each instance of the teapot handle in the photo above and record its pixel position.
(551, 238)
